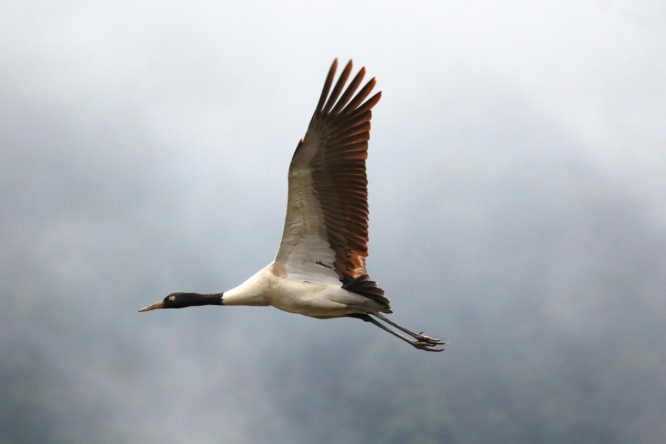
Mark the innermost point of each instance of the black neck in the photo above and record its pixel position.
(195, 299)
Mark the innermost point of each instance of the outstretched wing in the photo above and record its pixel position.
(325, 236)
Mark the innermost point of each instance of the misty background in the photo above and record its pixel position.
(518, 202)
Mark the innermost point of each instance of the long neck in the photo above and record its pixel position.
(254, 291)
(196, 299)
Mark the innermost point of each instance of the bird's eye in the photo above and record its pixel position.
(172, 298)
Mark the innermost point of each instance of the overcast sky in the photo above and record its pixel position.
(517, 190)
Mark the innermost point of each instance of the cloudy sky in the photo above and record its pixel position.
(517, 190)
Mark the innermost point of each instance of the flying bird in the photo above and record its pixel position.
(319, 270)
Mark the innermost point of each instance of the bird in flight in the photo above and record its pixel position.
(319, 270)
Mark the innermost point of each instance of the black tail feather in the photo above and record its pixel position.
(363, 286)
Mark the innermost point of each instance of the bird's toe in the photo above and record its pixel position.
(427, 347)
(428, 340)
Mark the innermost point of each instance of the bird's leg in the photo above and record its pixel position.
(421, 345)
(419, 336)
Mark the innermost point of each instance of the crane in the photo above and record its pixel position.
(319, 270)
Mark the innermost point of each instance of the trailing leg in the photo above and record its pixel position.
(421, 345)
(419, 336)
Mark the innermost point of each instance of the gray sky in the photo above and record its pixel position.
(517, 186)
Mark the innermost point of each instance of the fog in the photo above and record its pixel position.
(517, 190)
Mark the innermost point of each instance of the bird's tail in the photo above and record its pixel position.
(362, 285)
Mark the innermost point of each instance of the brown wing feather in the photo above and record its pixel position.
(339, 177)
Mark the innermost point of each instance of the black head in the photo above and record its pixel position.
(182, 300)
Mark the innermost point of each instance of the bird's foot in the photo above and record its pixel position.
(428, 340)
(427, 347)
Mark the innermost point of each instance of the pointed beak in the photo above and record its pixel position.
(159, 304)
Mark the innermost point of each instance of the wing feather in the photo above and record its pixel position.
(325, 237)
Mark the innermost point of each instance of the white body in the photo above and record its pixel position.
(270, 286)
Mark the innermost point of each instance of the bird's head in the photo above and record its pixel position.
(182, 300)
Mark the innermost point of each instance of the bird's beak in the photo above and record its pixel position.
(159, 304)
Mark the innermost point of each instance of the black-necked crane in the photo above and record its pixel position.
(319, 270)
